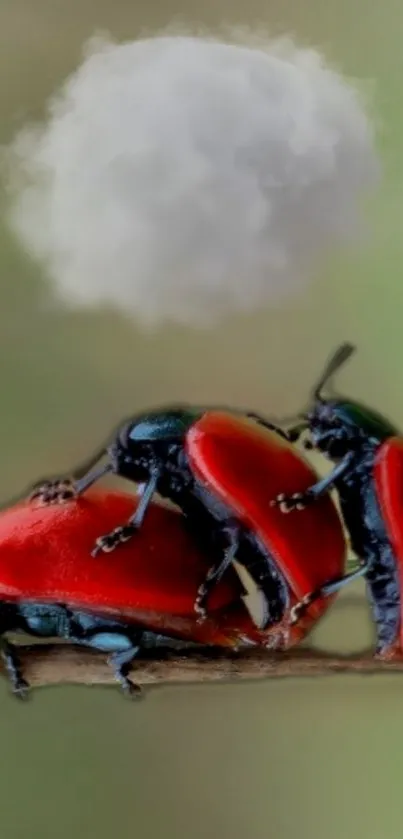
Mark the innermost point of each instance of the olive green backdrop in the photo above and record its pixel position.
(320, 759)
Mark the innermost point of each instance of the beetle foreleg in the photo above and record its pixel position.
(297, 501)
(267, 424)
(58, 490)
(291, 434)
(300, 500)
(65, 489)
(54, 492)
(294, 432)
(13, 669)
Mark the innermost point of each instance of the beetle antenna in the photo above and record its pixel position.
(339, 357)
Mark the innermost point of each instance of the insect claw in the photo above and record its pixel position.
(21, 691)
(199, 609)
(132, 691)
(124, 534)
(102, 547)
(300, 608)
(281, 502)
(201, 618)
(107, 549)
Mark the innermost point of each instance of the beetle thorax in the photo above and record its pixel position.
(332, 436)
(176, 477)
(137, 460)
(339, 426)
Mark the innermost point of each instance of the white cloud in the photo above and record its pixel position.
(185, 179)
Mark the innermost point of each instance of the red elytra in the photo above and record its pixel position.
(246, 466)
(388, 475)
(124, 579)
(45, 556)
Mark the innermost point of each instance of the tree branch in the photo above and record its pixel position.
(56, 664)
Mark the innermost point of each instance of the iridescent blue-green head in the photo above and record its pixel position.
(152, 435)
(161, 426)
(339, 425)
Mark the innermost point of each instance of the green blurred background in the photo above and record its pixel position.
(309, 759)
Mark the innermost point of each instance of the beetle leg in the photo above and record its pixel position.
(65, 489)
(12, 666)
(110, 541)
(54, 492)
(297, 501)
(300, 500)
(58, 490)
(215, 573)
(291, 434)
(150, 488)
(329, 588)
(82, 484)
(295, 432)
(267, 424)
(121, 646)
(121, 664)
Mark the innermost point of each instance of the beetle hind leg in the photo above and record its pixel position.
(211, 579)
(216, 572)
(269, 580)
(12, 664)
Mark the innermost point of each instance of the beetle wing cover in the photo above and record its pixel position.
(45, 555)
(388, 474)
(246, 466)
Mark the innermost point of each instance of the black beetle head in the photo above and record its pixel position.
(339, 425)
(150, 437)
(168, 425)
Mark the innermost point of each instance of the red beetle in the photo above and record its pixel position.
(51, 586)
(222, 469)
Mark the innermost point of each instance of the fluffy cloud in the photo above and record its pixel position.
(186, 179)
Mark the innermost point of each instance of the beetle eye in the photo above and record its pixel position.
(124, 435)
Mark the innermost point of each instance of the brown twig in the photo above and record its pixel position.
(68, 665)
